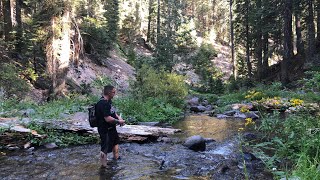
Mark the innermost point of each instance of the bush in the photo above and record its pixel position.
(167, 86)
(146, 110)
(11, 83)
(210, 76)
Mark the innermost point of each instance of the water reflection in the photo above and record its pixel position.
(139, 161)
(208, 127)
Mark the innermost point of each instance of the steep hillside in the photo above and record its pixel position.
(113, 67)
(223, 60)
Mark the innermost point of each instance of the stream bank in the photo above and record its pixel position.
(156, 160)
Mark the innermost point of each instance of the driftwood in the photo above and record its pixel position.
(79, 124)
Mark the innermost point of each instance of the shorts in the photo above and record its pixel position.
(109, 140)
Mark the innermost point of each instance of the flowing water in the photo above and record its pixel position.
(155, 160)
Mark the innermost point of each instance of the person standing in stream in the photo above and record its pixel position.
(108, 119)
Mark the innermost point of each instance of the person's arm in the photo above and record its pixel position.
(111, 120)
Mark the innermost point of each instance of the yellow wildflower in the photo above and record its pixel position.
(249, 122)
(244, 109)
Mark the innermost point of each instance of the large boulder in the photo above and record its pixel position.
(196, 143)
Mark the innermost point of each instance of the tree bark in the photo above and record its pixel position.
(234, 64)
(7, 20)
(158, 28)
(1, 19)
(18, 26)
(249, 66)
(258, 49)
(318, 20)
(299, 43)
(311, 32)
(265, 60)
(58, 51)
(149, 20)
(287, 41)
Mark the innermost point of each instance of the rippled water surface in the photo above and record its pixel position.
(157, 160)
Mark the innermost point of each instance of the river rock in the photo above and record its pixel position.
(196, 143)
(251, 115)
(247, 156)
(27, 112)
(209, 108)
(164, 139)
(240, 115)
(230, 113)
(194, 101)
(239, 106)
(249, 136)
(50, 145)
(209, 140)
(222, 116)
(205, 102)
(198, 108)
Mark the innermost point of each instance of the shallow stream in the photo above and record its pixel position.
(156, 160)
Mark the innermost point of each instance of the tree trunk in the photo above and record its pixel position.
(7, 20)
(299, 43)
(265, 61)
(318, 20)
(249, 66)
(234, 64)
(158, 28)
(1, 19)
(58, 51)
(149, 20)
(258, 49)
(311, 31)
(287, 42)
(18, 26)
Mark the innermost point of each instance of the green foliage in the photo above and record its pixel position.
(312, 81)
(239, 84)
(50, 110)
(96, 38)
(112, 16)
(295, 138)
(102, 81)
(61, 138)
(211, 77)
(231, 98)
(168, 86)
(185, 41)
(165, 49)
(149, 109)
(211, 98)
(11, 82)
(54, 109)
(307, 167)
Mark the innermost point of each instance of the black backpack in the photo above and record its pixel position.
(93, 121)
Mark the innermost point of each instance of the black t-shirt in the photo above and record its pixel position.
(104, 108)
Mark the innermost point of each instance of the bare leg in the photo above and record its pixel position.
(103, 159)
(115, 151)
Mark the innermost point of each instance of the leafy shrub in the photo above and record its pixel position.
(102, 81)
(146, 110)
(210, 76)
(62, 139)
(51, 109)
(239, 84)
(96, 38)
(167, 86)
(11, 82)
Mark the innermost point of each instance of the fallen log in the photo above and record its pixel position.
(79, 124)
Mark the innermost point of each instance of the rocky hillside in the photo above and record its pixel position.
(113, 67)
